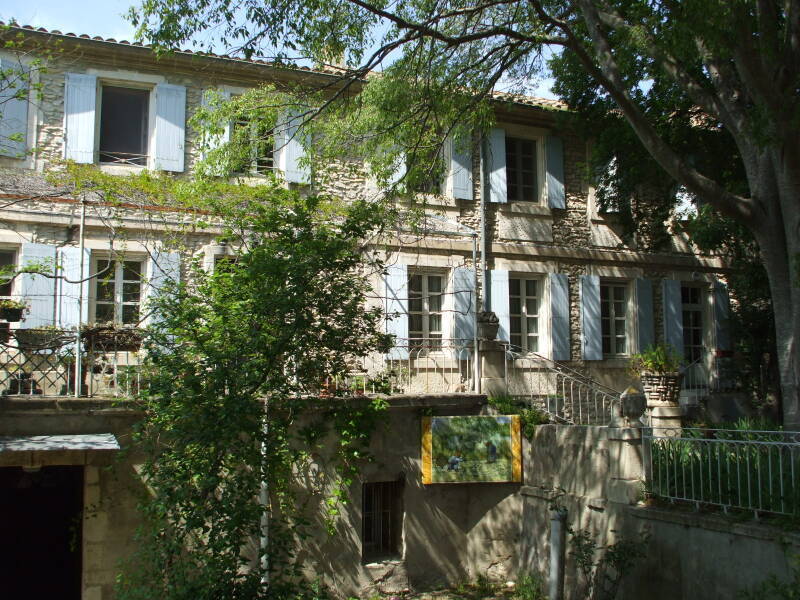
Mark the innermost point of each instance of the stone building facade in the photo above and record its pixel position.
(520, 235)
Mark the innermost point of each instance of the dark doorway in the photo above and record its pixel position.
(40, 532)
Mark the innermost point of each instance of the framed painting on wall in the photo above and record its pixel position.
(471, 449)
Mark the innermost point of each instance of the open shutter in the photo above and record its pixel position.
(497, 166)
(396, 280)
(289, 149)
(400, 171)
(170, 127)
(14, 109)
(644, 313)
(555, 173)
(500, 303)
(559, 316)
(80, 102)
(459, 173)
(162, 267)
(464, 304)
(673, 314)
(591, 324)
(37, 290)
(73, 290)
(212, 142)
(722, 315)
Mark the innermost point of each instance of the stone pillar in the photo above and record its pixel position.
(666, 420)
(493, 367)
(626, 465)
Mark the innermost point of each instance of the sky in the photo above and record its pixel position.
(101, 17)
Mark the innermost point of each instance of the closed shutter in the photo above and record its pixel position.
(464, 304)
(212, 142)
(500, 303)
(722, 316)
(497, 166)
(396, 281)
(555, 172)
(14, 109)
(73, 287)
(170, 127)
(290, 150)
(37, 290)
(80, 104)
(162, 268)
(591, 324)
(459, 173)
(673, 314)
(644, 314)
(559, 316)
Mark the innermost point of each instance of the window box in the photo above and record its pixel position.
(108, 338)
(42, 340)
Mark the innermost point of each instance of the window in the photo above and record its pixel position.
(521, 170)
(254, 147)
(118, 291)
(381, 520)
(614, 318)
(692, 308)
(7, 261)
(124, 125)
(524, 297)
(425, 295)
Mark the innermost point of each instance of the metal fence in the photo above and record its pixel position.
(749, 470)
(567, 395)
(417, 366)
(41, 362)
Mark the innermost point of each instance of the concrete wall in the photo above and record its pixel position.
(596, 474)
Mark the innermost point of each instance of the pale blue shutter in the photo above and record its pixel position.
(673, 314)
(289, 149)
(72, 289)
(644, 313)
(500, 303)
(37, 290)
(559, 316)
(170, 127)
(400, 171)
(162, 268)
(80, 103)
(464, 304)
(497, 166)
(555, 172)
(396, 280)
(591, 324)
(459, 175)
(722, 315)
(14, 109)
(212, 142)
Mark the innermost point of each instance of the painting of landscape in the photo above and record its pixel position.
(470, 449)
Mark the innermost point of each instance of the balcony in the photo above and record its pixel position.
(41, 362)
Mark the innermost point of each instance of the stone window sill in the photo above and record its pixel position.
(527, 208)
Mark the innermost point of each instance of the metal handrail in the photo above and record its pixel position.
(553, 364)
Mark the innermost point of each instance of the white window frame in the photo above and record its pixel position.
(118, 286)
(523, 314)
(14, 251)
(425, 341)
(629, 319)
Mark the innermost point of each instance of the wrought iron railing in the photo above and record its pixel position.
(750, 470)
(567, 395)
(41, 362)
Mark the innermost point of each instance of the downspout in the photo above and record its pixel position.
(485, 189)
(475, 356)
(81, 247)
(263, 500)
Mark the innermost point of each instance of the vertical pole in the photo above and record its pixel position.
(263, 499)
(476, 368)
(482, 210)
(81, 247)
(558, 530)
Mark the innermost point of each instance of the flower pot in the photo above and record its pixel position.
(12, 315)
(110, 339)
(661, 389)
(35, 340)
(488, 325)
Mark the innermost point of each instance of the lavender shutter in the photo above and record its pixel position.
(644, 313)
(73, 290)
(591, 324)
(37, 290)
(555, 172)
(459, 175)
(497, 166)
(500, 303)
(170, 130)
(162, 268)
(396, 307)
(559, 316)
(14, 109)
(290, 149)
(464, 304)
(673, 314)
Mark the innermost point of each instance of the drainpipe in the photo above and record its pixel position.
(485, 189)
(476, 368)
(263, 500)
(81, 246)
(558, 530)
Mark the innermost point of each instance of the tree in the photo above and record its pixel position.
(731, 66)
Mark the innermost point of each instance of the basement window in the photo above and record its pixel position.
(124, 114)
(381, 520)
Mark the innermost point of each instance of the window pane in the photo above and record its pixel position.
(124, 125)
(531, 287)
(131, 270)
(105, 290)
(434, 284)
(532, 306)
(532, 325)
(415, 283)
(131, 292)
(415, 324)
(516, 324)
(514, 305)
(130, 314)
(513, 287)
(435, 303)
(104, 313)
(435, 322)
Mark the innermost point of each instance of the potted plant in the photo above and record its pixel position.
(110, 337)
(658, 368)
(41, 339)
(12, 310)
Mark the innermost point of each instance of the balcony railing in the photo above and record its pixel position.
(41, 362)
(750, 470)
